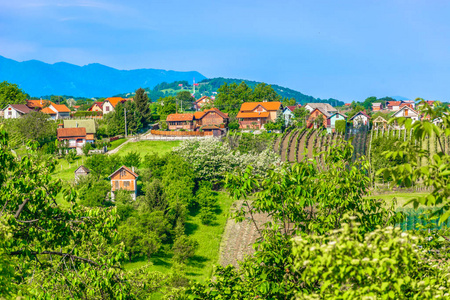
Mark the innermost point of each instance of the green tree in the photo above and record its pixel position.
(35, 126)
(56, 252)
(91, 191)
(10, 93)
(185, 100)
(265, 92)
(230, 97)
(142, 107)
(134, 117)
(132, 159)
(166, 106)
(301, 115)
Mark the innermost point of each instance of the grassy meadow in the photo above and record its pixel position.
(146, 147)
(209, 237)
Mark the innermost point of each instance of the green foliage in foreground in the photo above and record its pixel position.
(306, 252)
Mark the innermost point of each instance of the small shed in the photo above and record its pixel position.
(81, 171)
(380, 123)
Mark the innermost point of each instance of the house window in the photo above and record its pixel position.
(9, 113)
(116, 183)
(107, 108)
(123, 173)
(126, 184)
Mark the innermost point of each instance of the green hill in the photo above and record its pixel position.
(209, 87)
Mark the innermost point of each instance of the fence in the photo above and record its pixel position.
(420, 216)
(180, 133)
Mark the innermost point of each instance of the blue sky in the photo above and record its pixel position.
(347, 50)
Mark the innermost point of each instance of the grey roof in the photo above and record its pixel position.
(338, 113)
(88, 124)
(323, 106)
(83, 168)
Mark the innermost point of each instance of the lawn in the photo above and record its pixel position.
(402, 198)
(146, 147)
(200, 267)
(116, 143)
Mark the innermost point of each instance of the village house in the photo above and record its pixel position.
(55, 111)
(89, 124)
(211, 120)
(317, 118)
(81, 171)
(110, 103)
(360, 119)
(124, 179)
(199, 103)
(331, 121)
(76, 137)
(325, 107)
(377, 106)
(407, 112)
(393, 105)
(288, 114)
(180, 121)
(97, 106)
(14, 111)
(253, 115)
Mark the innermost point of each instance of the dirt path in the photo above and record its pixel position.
(301, 146)
(238, 238)
(311, 144)
(292, 147)
(277, 144)
(284, 146)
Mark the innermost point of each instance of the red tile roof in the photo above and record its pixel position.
(394, 103)
(202, 98)
(38, 103)
(71, 132)
(205, 112)
(180, 117)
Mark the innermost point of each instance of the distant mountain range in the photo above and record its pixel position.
(37, 78)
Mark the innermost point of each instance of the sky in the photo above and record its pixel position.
(347, 50)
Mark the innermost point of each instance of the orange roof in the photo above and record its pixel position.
(71, 132)
(244, 115)
(180, 117)
(47, 110)
(37, 103)
(115, 100)
(198, 114)
(61, 107)
(270, 106)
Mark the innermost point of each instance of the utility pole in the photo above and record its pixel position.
(125, 112)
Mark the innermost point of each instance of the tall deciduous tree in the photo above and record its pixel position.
(185, 100)
(142, 107)
(166, 106)
(10, 93)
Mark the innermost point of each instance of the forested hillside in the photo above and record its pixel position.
(209, 87)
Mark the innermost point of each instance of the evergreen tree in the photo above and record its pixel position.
(142, 108)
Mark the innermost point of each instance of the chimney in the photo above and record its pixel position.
(132, 169)
(41, 101)
(76, 124)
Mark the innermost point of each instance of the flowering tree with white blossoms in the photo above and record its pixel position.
(212, 159)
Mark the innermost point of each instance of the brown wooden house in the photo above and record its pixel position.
(124, 179)
(211, 119)
(180, 121)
